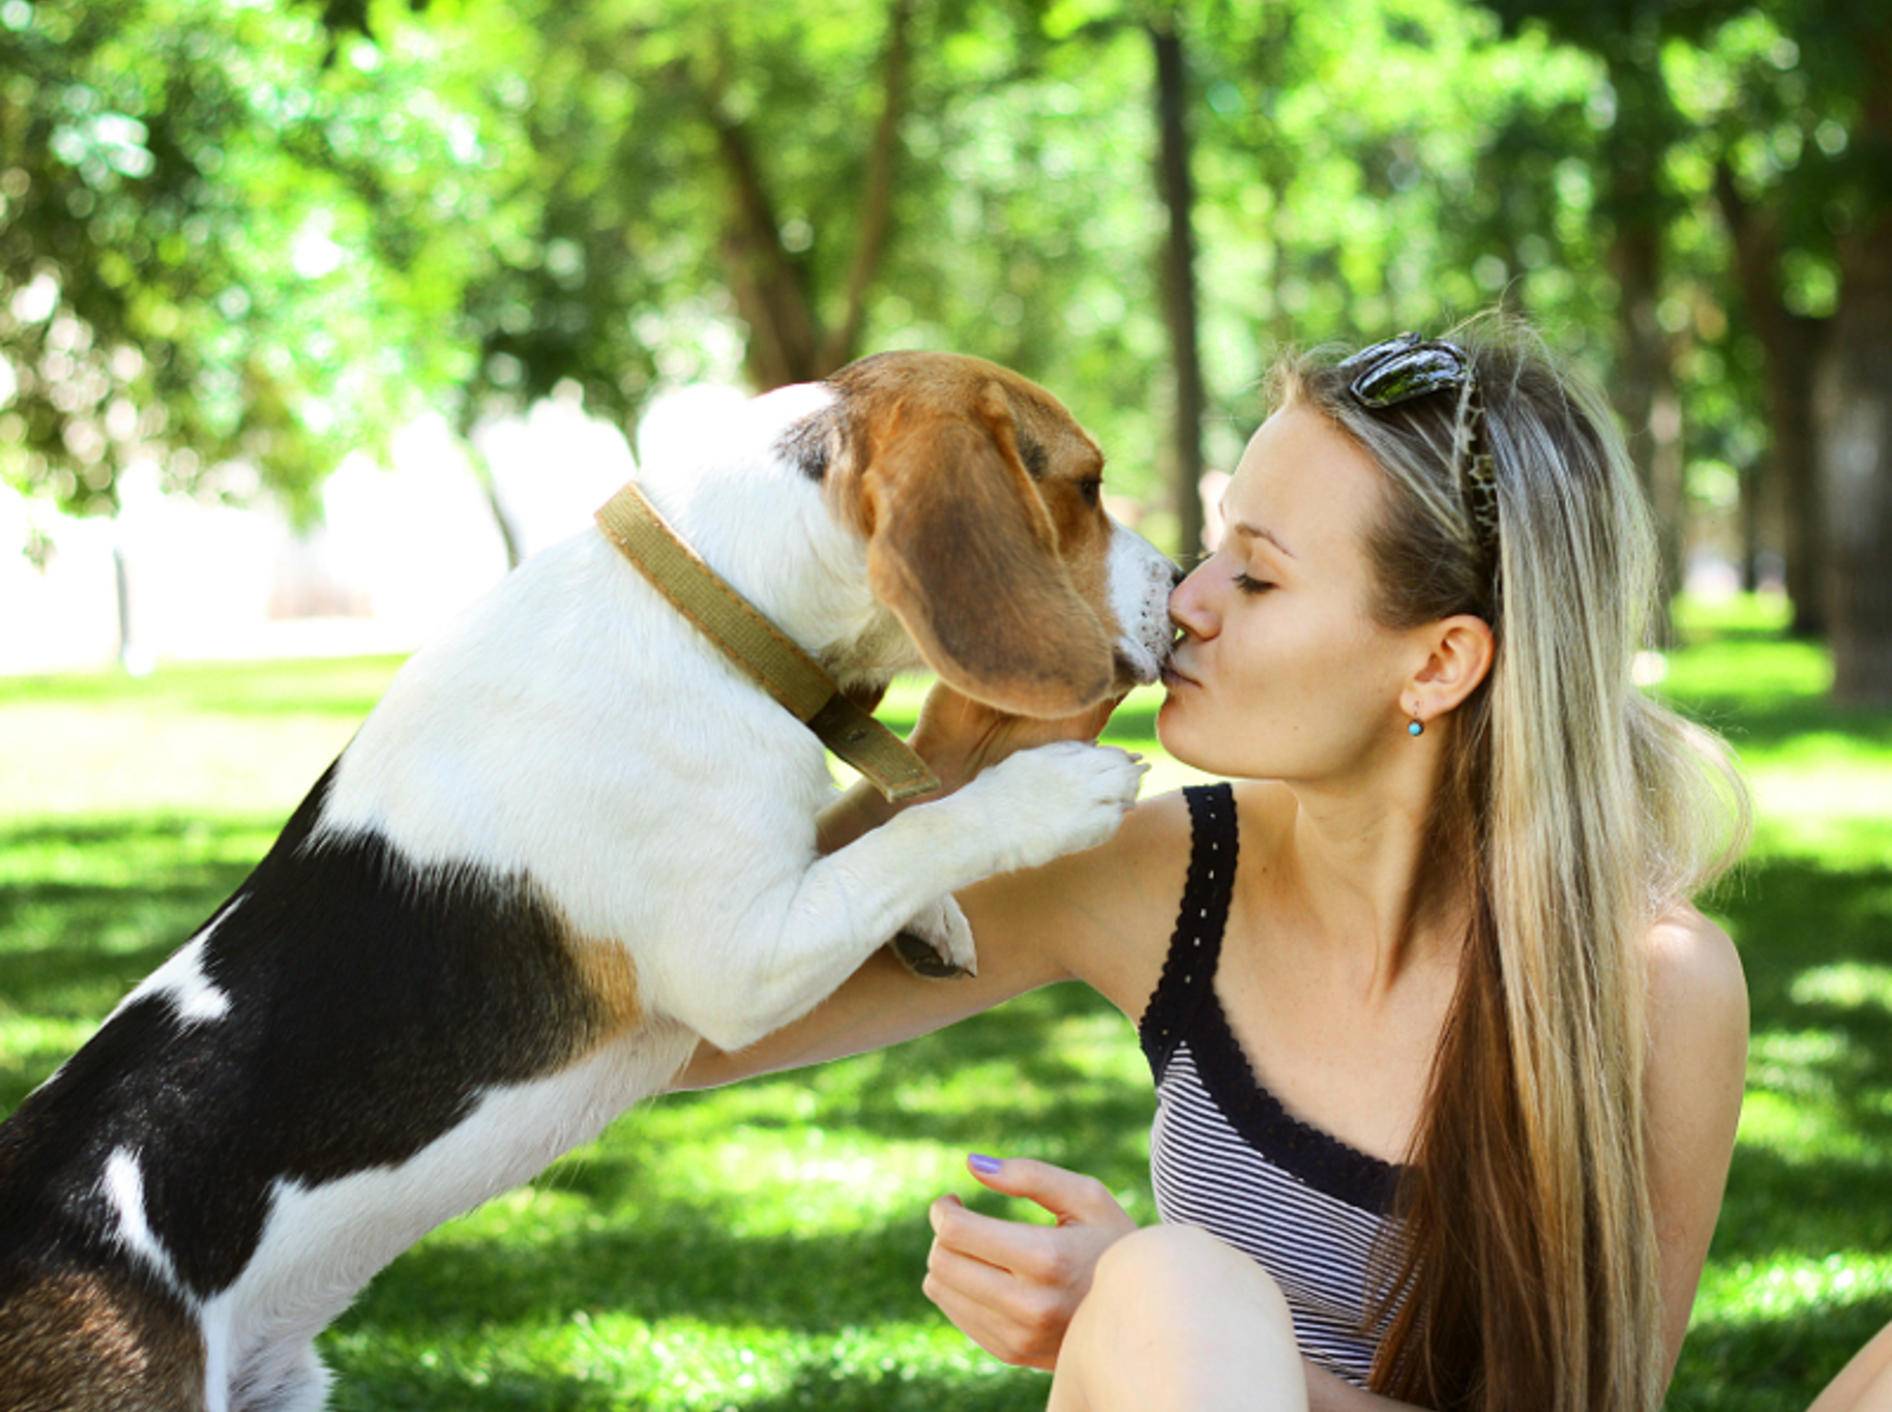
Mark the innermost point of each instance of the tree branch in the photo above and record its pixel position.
(770, 288)
(876, 209)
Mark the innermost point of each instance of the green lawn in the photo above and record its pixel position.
(762, 1247)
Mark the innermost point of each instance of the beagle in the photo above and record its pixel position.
(569, 841)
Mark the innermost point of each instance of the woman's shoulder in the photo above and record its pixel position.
(1120, 899)
(1697, 1069)
(1160, 831)
(1694, 968)
(1698, 1007)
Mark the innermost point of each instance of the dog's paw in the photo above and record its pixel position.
(1054, 799)
(937, 943)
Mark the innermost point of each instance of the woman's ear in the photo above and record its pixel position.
(962, 549)
(1459, 654)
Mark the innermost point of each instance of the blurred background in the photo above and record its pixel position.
(318, 315)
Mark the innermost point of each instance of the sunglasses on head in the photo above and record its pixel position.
(1402, 369)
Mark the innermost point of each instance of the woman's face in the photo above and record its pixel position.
(1281, 673)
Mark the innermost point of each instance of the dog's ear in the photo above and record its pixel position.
(962, 549)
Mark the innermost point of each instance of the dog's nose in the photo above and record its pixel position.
(1177, 573)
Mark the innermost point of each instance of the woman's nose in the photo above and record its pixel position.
(1188, 606)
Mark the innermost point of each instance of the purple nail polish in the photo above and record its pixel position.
(982, 1164)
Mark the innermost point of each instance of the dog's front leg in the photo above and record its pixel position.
(797, 943)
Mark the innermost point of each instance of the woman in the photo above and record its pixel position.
(1447, 1065)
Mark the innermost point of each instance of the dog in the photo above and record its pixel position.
(570, 841)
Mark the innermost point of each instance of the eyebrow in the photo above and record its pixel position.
(1248, 531)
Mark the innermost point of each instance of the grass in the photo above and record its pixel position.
(762, 1247)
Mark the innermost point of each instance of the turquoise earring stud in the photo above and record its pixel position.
(1417, 728)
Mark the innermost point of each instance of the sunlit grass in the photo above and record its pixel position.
(762, 1247)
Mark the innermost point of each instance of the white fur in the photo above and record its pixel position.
(124, 1188)
(1140, 580)
(181, 980)
(322, 1243)
(574, 728)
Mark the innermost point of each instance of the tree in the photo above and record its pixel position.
(1747, 93)
(1639, 127)
(1855, 395)
(1179, 276)
(183, 190)
(1796, 93)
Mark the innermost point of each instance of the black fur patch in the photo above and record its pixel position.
(1033, 457)
(370, 1006)
(808, 445)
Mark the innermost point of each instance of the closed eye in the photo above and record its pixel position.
(1090, 488)
(1251, 585)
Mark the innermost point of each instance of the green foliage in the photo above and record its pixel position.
(762, 1246)
(248, 238)
(214, 248)
(252, 234)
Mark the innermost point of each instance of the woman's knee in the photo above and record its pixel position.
(1172, 1272)
(1177, 1319)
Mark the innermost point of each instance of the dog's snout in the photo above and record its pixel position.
(1177, 573)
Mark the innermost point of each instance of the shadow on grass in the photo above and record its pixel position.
(1088, 1119)
(827, 1386)
(1749, 726)
(75, 935)
(676, 1260)
(69, 947)
(1771, 1364)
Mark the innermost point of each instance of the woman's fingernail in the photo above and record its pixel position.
(982, 1164)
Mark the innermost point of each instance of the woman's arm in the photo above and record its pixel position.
(1697, 1069)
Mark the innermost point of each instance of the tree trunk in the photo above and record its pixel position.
(1855, 409)
(772, 289)
(121, 597)
(1179, 284)
(489, 491)
(1639, 208)
(1646, 398)
(1795, 456)
(769, 286)
(1752, 490)
(1790, 352)
(877, 203)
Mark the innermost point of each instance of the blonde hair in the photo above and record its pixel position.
(1577, 811)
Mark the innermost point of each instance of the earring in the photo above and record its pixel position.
(1417, 728)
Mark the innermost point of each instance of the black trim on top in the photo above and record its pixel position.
(1197, 940)
(1186, 1008)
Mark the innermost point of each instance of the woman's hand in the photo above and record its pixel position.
(1012, 1286)
(959, 737)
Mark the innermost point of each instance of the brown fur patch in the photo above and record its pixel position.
(609, 978)
(998, 569)
(98, 1341)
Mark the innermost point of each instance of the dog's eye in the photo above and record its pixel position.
(1091, 489)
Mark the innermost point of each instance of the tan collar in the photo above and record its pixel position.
(759, 648)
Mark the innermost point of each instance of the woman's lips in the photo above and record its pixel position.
(1174, 676)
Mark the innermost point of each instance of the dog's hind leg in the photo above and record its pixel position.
(300, 1386)
(97, 1339)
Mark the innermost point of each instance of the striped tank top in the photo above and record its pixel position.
(1226, 1156)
